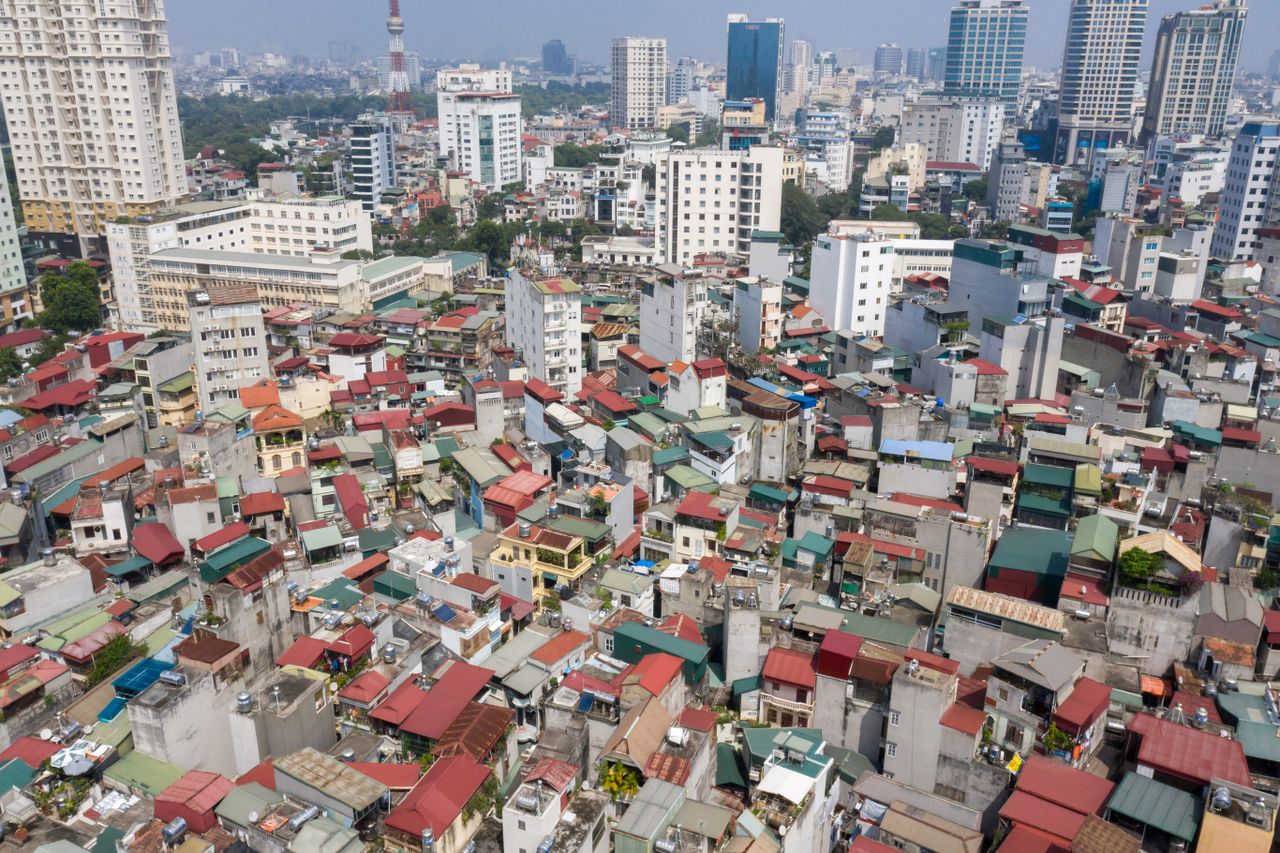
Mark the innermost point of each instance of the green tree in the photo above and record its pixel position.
(709, 135)
(71, 299)
(976, 190)
(801, 220)
(10, 363)
(1137, 567)
(620, 782)
(678, 133)
(489, 238)
(570, 155)
(883, 138)
(490, 207)
(887, 213)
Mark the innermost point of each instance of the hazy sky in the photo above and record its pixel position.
(494, 29)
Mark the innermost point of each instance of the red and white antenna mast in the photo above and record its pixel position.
(397, 78)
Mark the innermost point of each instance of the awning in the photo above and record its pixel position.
(133, 564)
(1154, 686)
(850, 587)
(549, 577)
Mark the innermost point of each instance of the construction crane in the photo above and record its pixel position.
(397, 77)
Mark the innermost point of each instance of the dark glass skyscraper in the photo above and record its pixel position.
(755, 61)
(555, 59)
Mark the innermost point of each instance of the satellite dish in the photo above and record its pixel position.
(46, 734)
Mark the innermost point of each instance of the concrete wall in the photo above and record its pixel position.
(188, 728)
(1148, 630)
(1129, 377)
(847, 722)
(971, 645)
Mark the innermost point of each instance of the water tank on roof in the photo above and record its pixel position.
(244, 702)
(309, 813)
(173, 831)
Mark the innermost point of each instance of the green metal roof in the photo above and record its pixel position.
(372, 539)
(1096, 536)
(877, 629)
(1045, 505)
(761, 741)
(687, 478)
(589, 530)
(764, 492)
(749, 684)
(124, 567)
(1157, 805)
(395, 585)
(45, 467)
(848, 763)
(8, 594)
(1260, 740)
(631, 641)
(1088, 479)
(668, 455)
(321, 537)
(223, 561)
(1204, 435)
(1027, 549)
(139, 771)
(729, 766)
(340, 590)
(817, 544)
(178, 383)
(1048, 475)
(16, 774)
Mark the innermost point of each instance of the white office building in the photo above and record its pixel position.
(639, 82)
(270, 225)
(13, 277)
(544, 318)
(229, 340)
(954, 130)
(487, 138)
(672, 305)
(1249, 195)
(466, 78)
(373, 160)
(850, 281)
(711, 201)
(92, 115)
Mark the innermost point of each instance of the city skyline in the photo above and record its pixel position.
(519, 31)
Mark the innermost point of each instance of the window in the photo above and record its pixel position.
(890, 749)
(208, 517)
(894, 718)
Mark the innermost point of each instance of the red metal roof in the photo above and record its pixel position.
(986, 368)
(71, 394)
(305, 652)
(437, 800)
(365, 687)
(556, 774)
(196, 793)
(837, 653)
(397, 777)
(1248, 436)
(352, 500)
(668, 767)
(962, 718)
(1188, 753)
(1059, 823)
(559, 647)
(698, 719)
(656, 671)
(399, 705)
(461, 683)
(27, 460)
(261, 503)
(157, 543)
(354, 642)
(1088, 701)
(790, 667)
(472, 582)
(540, 390)
(31, 750)
(1064, 786)
(225, 536)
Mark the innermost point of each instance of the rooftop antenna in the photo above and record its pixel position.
(397, 77)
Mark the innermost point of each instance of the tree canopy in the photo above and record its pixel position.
(571, 155)
(71, 298)
(800, 220)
